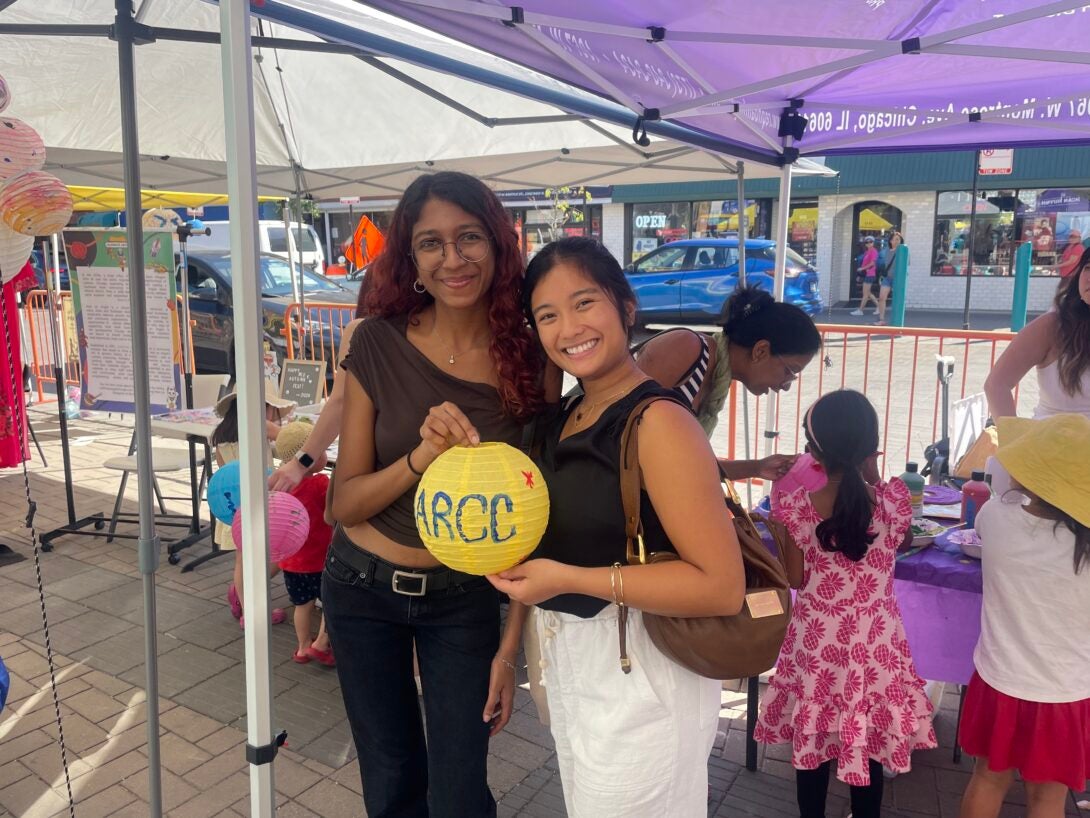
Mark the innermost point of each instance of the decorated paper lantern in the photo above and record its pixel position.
(161, 218)
(807, 473)
(289, 526)
(482, 509)
(14, 251)
(225, 492)
(5, 94)
(21, 148)
(35, 203)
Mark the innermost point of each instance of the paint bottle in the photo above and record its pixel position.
(974, 495)
(915, 482)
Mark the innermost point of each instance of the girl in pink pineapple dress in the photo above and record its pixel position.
(845, 687)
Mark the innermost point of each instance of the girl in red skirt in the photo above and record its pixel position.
(1028, 704)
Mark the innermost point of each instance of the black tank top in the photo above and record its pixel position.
(586, 521)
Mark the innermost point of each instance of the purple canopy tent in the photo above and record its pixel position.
(865, 75)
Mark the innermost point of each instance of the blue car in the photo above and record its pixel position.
(689, 282)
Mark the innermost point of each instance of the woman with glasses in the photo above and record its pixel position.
(444, 358)
(764, 345)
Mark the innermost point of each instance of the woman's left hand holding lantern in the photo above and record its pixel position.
(444, 427)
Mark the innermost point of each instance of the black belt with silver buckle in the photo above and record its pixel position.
(401, 580)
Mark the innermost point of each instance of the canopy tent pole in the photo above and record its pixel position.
(238, 102)
(782, 217)
(148, 544)
(970, 246)
(743, 228)
(286, 213)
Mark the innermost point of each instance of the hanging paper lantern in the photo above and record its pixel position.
(225, 492)
(482, 509)
(14, 251)
(5, 94)
(160, 218)
(35, 203)
(21, 148)
(289, 526)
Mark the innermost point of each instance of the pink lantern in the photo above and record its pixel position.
(236, 529)
(289, 526)
(35, 203)
(5, 94)
(14, 251)
(21, 148)
(807, 473)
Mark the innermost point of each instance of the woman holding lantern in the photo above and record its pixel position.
(633, 736)
(445, 358)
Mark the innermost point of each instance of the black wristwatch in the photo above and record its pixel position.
(305, 459)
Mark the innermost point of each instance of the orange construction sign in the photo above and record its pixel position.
(367, 242)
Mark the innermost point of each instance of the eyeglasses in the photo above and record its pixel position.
(429, 254)
(792, 373)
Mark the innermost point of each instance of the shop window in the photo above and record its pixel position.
(656, 224)
(1054, 221)
(802, 229)
(719, 218)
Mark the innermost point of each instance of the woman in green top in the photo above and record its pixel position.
(764, 345)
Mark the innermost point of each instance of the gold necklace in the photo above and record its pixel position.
(583, 412)
(450, 349)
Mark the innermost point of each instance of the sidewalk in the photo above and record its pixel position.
(94, 603)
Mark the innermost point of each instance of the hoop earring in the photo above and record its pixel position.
(419, 288)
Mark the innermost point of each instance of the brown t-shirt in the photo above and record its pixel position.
(403, 385)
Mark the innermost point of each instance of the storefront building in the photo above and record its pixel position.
(926, 197)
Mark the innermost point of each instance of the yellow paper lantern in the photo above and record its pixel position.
(482, 509)
(35, 203)
(21, 148)
(161, 218)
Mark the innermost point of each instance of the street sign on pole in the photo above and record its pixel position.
(996, 162)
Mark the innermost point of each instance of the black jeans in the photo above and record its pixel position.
(456, 632)
(812, 787)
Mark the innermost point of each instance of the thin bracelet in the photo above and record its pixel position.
(507, 664)
(615, 570)
(409, 463)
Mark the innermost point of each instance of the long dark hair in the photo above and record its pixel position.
(391, 276)
(1073, 334)
(753, 315)
(842, 431)
(590, 256)
(227, 430)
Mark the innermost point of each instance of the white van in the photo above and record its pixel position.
(271, 239)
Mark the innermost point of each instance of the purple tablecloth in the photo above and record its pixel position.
(933, 566)
(939, 594)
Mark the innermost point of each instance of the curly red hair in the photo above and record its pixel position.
(390, 292)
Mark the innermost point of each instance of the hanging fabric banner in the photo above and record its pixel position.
(100, 294)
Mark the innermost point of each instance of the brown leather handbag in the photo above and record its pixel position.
(718, 647)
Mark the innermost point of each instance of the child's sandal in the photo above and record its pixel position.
(322, 657)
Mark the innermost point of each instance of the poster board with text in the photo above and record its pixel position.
(98, 261)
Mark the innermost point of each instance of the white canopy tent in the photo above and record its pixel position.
(336, 120)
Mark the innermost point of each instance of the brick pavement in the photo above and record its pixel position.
(94, 604)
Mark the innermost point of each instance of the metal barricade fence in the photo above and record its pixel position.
(39, 330)
(895, 368)
(36, 312)
(316, 336)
